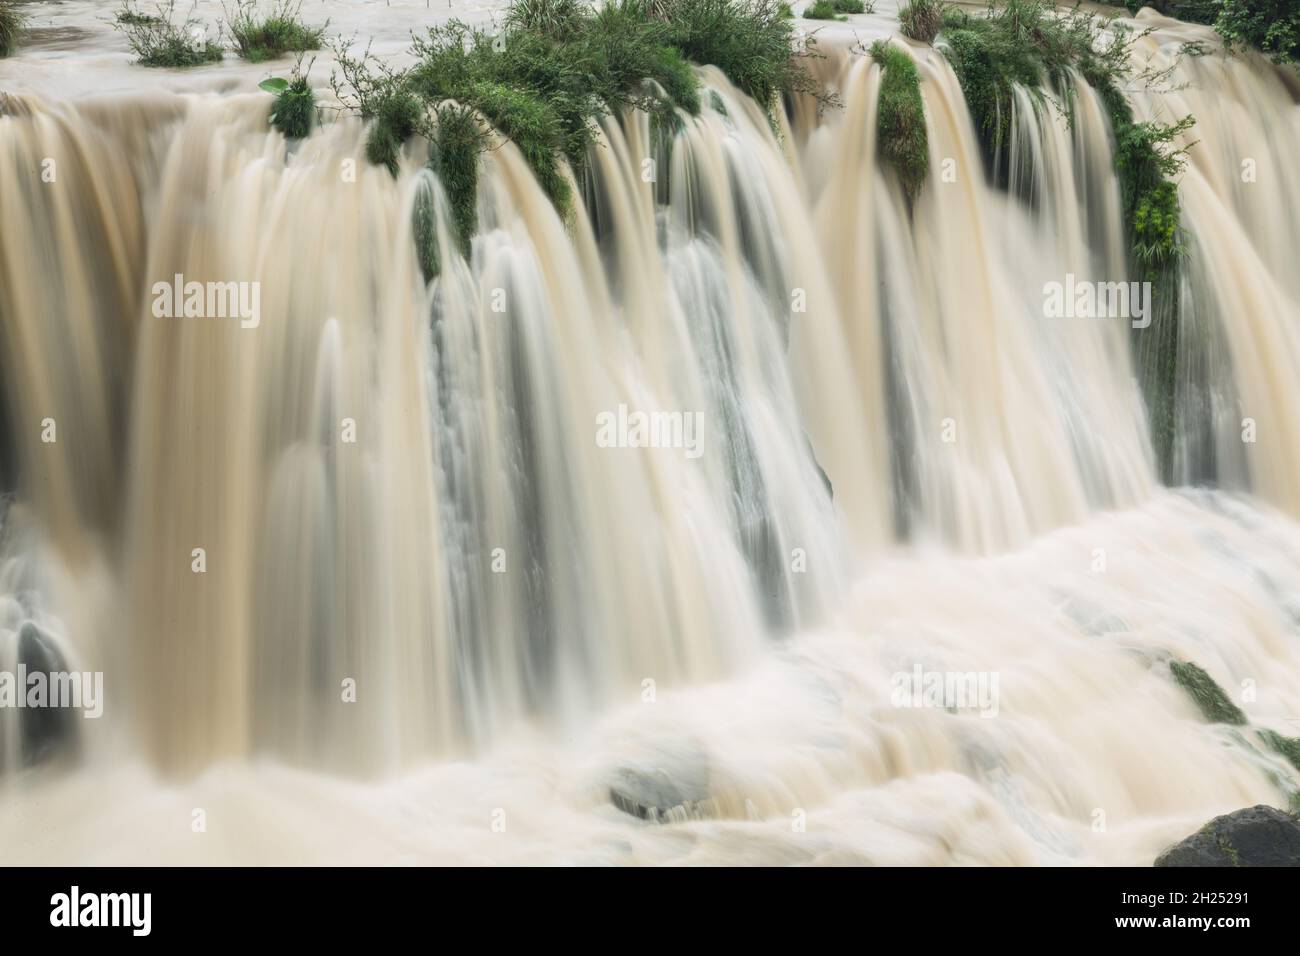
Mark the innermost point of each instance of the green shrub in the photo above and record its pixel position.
(853, 6)
(1031, 44)
(1146, 164)
(1189, 11)
(294, 111)
(12, 25)
(397, 116)
(900, 126)
(822, 10)
(1270, 26)
(265, 32)
(548, 80)
(921, 19)
(748, 40)
(157, 39)
(458, 141)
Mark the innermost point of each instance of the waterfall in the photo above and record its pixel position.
(377, 532)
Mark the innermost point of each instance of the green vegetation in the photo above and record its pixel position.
(135, 18)
(1147, 163)
(1214, 704)
(12, 25)
(547, 80)
(459, 141)
(921, 19)
(831, 9)
(748, 40)
(1288, 747)
(822, 10)
(266, 33)
(294, 111)
(901, 135)
(1270, 26)
(1028, 43)
(158, 40)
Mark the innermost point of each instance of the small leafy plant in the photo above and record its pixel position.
(294, 111)
(157, 39)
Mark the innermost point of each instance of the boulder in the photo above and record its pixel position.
(673, 786)
(1255, 836)
(44, 733)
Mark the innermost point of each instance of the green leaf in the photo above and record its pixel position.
(275, 85)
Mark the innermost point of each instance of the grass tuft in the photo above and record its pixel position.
(12, 25)
(157, 39)
(553, 18)
(921, 19)
(265, 32)
(822, 10)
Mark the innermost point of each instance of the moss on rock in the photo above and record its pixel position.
(1288, 747)
(900, 120)
(1209, 697)
(1255, 836)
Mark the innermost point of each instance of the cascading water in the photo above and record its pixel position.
(400, 491)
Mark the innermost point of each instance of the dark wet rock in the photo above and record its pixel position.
(44, 733)
(826, 479)
(670, 788)
(1255, 836)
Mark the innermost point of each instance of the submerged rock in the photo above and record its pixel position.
(673, 789)
(1255, 836)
